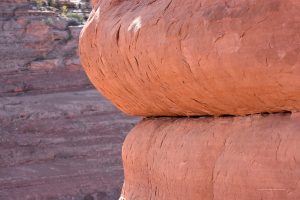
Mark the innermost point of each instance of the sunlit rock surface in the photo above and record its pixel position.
(208, 57)
(219, 62)
(246, 158)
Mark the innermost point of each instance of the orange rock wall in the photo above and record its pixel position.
(196, 58)
(247, 158)
(208, 57)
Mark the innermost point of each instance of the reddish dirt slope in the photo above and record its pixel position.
(61, 145)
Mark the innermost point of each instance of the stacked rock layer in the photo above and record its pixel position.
(206, 58)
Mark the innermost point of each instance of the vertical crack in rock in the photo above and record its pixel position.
(118, 35)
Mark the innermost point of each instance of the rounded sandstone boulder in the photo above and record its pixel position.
(245, 158)
(206, 57)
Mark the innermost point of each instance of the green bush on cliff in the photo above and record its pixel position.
(79, 18)
(53, 3)
(39, 3)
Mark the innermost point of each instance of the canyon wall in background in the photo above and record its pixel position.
(59, 139)
(38, 50)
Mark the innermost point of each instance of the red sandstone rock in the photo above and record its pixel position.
(94, 2)
(247, 158)
(208, 57)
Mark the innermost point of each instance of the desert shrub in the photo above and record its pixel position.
(64, 10)
(39, 3)
(76, 17)
(53, 3)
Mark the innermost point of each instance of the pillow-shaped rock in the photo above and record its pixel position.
(205, 57)
(245, 158)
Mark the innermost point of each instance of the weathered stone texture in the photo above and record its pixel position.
(38, 49)
(176, 58)
(61, 146)
(207, 57)
(247, 158)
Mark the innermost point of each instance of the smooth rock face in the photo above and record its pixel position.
(248, 158)
(207, 57)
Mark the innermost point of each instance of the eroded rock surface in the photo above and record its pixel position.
(247, 158)
(38, 50)
(208, 57)
(61, 146)
(194, 58)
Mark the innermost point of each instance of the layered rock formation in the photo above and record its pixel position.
(61, 146)
(204, 59)
(38, 50)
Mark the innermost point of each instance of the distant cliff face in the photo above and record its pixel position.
(36, 43)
